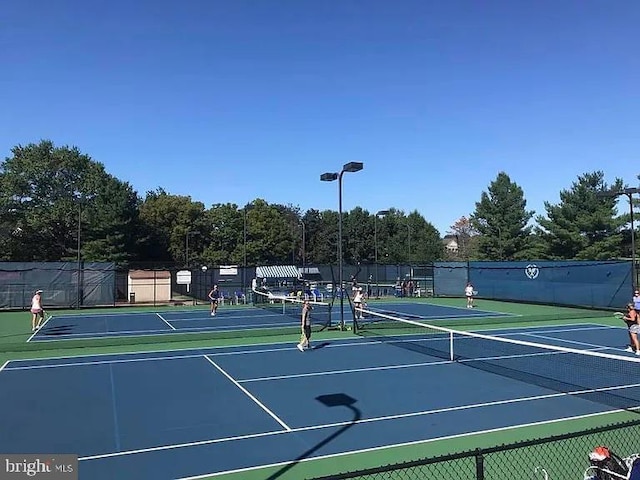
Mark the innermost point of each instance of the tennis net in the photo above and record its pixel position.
(591, 373)
(292, 307)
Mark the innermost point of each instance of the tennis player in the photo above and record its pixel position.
(636, 301)
(358, 298)
(468, 292)
(214, 297)
(305, 339)
(631, 318)
(37, 311)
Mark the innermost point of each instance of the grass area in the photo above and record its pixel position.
(15, 329)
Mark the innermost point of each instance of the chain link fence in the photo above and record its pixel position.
(561, 457)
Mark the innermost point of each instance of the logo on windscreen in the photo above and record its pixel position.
(532, 271)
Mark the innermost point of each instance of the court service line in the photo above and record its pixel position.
(412, 365)
(367, 420)
(171, 353)
(340, 372)
(394, 445)
(165, 321)
(122, 357)
(148, 333)
(249, 394)
(158, 355)
(592, 346)
(226, 317)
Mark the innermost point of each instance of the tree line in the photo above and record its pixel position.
(58, 204)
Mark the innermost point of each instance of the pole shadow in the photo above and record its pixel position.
(330, 400)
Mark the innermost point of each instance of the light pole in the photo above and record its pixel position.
(303, 247)
(79, 286)
(380, 213)
(629, 193)
(330, 177)
(244, 253)
(186, 248)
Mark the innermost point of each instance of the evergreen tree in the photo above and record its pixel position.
(502, 220)
(584, 224)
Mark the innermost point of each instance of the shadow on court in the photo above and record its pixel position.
(57, 330)
(331, 400)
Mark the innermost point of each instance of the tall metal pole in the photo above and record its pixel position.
(303, 247)
(186, 251)
(340, 249)
(633, 245)
(375, 246)
(330, 177)
(375, 243)
(79, 292)
(244, 254)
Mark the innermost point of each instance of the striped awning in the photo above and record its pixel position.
(278, 271)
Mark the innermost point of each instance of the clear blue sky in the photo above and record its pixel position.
(228, 101)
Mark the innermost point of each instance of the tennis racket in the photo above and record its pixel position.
(475, 292)
(618, 315)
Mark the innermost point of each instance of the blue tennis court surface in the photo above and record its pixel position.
(191, 413)
(97, 325)
(65, 327)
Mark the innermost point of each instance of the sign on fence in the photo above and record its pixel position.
(183, 277)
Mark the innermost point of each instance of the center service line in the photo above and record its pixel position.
(246, 392)
(163, 319)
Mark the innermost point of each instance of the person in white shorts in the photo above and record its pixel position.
(631, 318)
(37, 311)
(358, 298)
(468, 292)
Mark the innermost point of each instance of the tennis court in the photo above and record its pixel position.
(241, 319)
(267, 409)
(87, 325)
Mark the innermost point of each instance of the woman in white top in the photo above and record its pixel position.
(37, 311)
(468, 291)
(358, 298)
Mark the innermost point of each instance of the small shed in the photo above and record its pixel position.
(146, 286)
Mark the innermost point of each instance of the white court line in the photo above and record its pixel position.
(455, 307)
(247, 393)
(592, 346)
(170, 357)
(365, 421)
(163, 319)
(182, 331)
(346, 371)
(4, 365)
(41, 327)
(395, 445)
(225, 317)
(356, 341)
